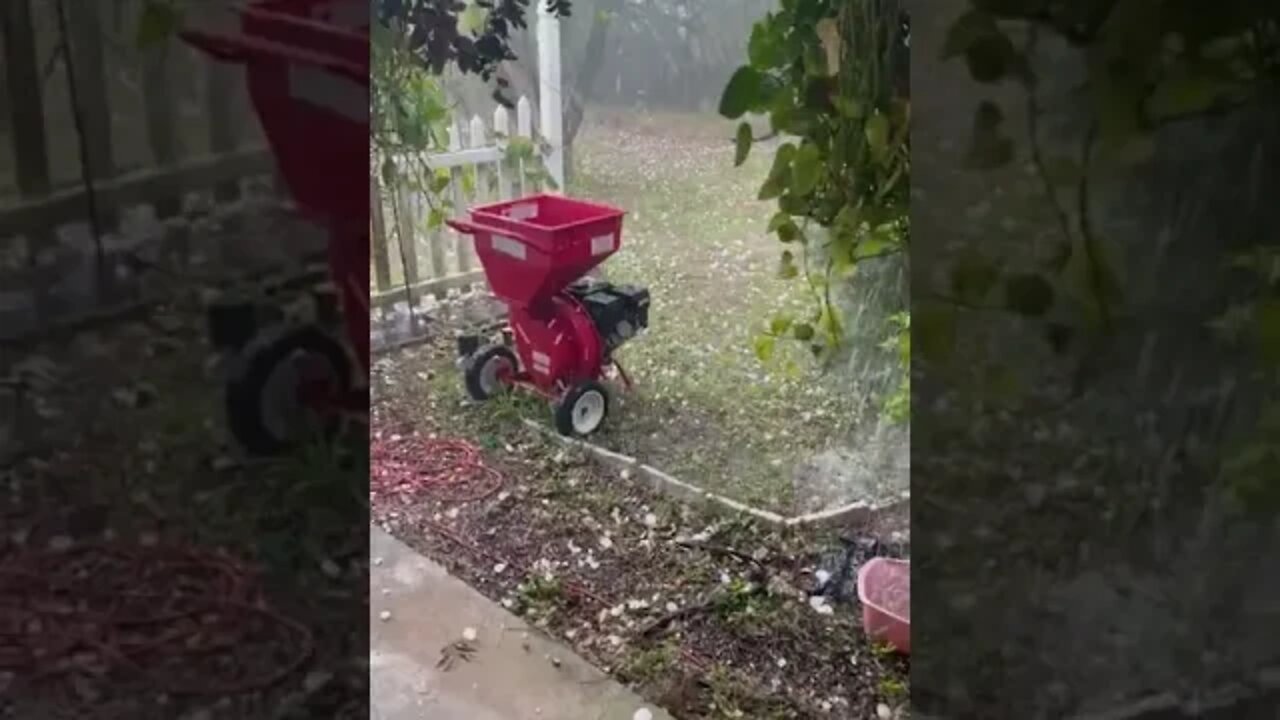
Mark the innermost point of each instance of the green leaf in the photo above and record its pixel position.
(764, 345)
(763, 48)
(744, 91)
(440, 181)
(772, 188)
(776, 183)
(158, 22)
(435, 219)
(788, 232)
(806, 170)
(847, 106)
(877, 132)
(802, 332)
(471, 20)
(1028, 294)
(780, 325)
(787, 267)
(742, 144)
(778, 220)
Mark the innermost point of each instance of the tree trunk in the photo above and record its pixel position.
(584, 81)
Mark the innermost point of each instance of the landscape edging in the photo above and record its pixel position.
(674, 487)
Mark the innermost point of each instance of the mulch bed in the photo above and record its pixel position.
(707, 615)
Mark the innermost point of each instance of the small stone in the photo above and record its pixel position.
(642, 714)
(377, 562)
(385, 615)
(650, 520)
(820, 606)
(469, 634)
(883, 712)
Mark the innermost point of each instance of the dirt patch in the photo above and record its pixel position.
(706, 614)
(115, 447)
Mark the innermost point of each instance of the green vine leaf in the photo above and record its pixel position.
(744, 91)
(802, 332)
(763, 48)
(778, 220)
(787, 267)
(877, 133)
(742, 144)
(806, 170)
(763, 347)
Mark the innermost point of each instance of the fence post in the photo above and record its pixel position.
(550, 102)
(502, 131)
(220, 110)
(408, 242)
(380, 248)
(158, 102)
(26, 115)
(524, 129)
(85, 27)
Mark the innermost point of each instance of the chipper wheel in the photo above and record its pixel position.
(486, 371)
(282, 394)
(582, 410)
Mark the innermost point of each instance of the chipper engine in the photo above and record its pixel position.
(565, 327)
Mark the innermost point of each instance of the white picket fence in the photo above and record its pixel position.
(436, 261)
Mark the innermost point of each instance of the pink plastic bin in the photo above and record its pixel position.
(884, 589)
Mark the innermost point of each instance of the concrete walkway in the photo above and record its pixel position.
(510, 676)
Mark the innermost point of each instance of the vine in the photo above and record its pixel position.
(830, 76)
(1149, 65)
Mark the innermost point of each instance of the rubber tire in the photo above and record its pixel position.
(244, 390)
(476, 361)
(564, 408)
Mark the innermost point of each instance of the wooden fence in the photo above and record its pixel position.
(159, 124)
(411, 261)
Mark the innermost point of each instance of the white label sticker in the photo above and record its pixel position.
(523, 211)
(602, 244)
(509, 246)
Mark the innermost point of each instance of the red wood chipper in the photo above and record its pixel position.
(536, 252)
(307, 69)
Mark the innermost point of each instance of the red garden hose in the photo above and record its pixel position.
(115, 612)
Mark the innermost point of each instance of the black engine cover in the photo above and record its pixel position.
(619, 312)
